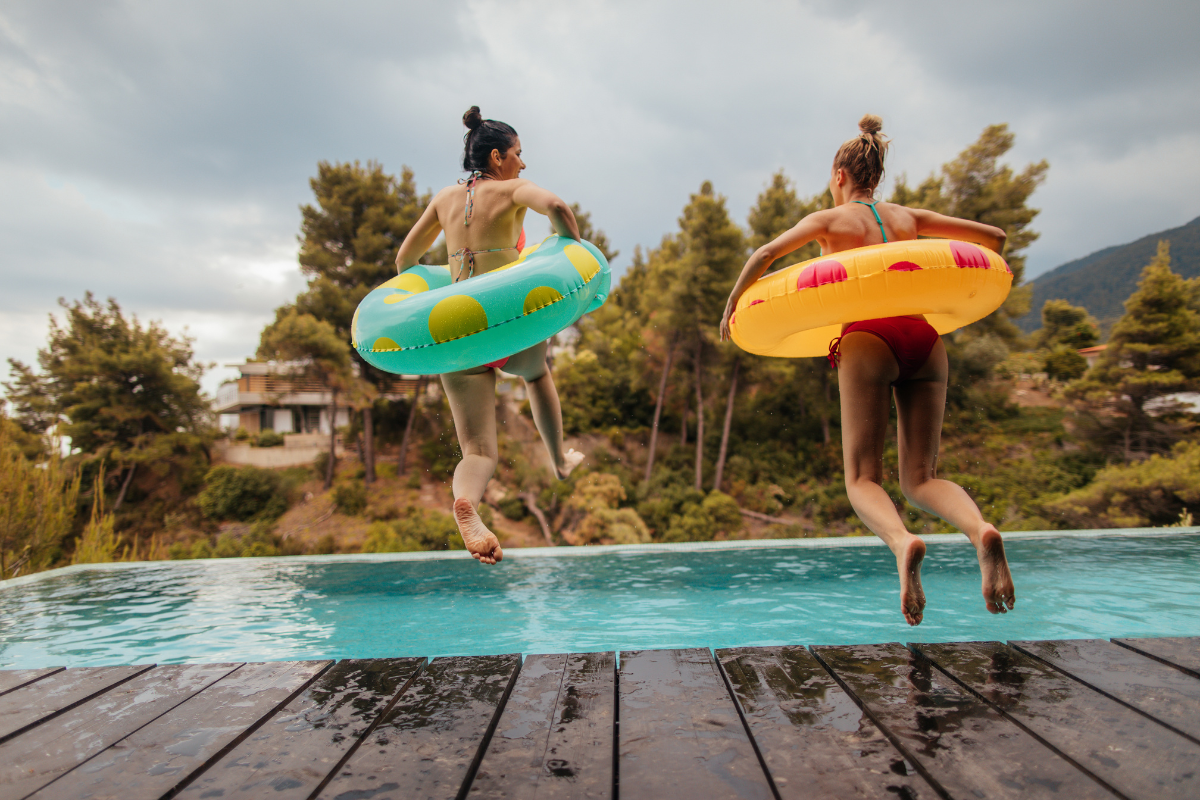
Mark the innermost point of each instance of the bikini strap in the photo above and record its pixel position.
(466, 257)
(835, 353)
(470, 204)
(877, 219)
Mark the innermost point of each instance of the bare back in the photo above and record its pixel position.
(853, 225)
(495, 226)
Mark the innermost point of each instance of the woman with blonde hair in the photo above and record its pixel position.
(483, 216)
(900, 357)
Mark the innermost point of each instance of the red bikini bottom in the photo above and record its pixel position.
(910, 340)
(498, 364)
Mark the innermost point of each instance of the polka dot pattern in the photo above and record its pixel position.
(541, 297)
(821, 273)
(455, 317)
(421, 322)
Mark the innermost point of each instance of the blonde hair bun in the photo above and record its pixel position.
(870, 124)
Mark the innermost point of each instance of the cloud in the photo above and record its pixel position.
(158, 152)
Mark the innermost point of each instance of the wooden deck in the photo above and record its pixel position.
(1067, 719)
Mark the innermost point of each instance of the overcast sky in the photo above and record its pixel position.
(157, 152)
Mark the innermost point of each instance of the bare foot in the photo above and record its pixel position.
(908, 564)
(998, 592)
(481, 543)
(571, 460)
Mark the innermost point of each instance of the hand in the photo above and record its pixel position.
(726, 333)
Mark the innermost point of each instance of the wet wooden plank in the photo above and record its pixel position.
(555, 736)
(429, 744)
(159, 758)
(34, 759)
(1178, 651)
(679, 733)
(812, 736)
(16, 678)
(958, 742)
(1161, 691)
(37, 702)
(294, 751)
(1132, 754)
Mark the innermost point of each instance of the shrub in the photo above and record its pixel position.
(385, 470)
(241, 434)
(1157, 491)
(513, 507)
(350, 497)
(242, 493)
(1063, 363)
(416, 530)
(270, 439)
(320, 464)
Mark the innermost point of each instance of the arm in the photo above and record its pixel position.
(420, 238)
(549, 204)
(805, 231)
(930, 223)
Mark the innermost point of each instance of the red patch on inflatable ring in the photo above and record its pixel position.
(756, 302)
(969, 256)
(821, 273)
(903, 266)
(521, 241)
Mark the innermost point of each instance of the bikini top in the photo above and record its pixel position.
(877, 219)
(465, 255)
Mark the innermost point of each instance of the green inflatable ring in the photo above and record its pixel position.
(421, 323)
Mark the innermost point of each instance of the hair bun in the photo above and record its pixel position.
(870, 124)
(472, 119)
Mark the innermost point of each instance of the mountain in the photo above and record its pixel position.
(1103, 281)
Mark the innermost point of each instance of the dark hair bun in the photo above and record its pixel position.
(472, 119)
(870, 124)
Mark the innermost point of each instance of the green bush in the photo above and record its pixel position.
(513, 507)
(1064, 363)
(270, 439)
(320, 464)
(385, 470)
(241, 434)
(350, 497)
(701, 522)
(1157, 491)
(416, 530)
(259, 541)
(242, 493)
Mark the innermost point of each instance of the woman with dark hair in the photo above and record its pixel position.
(897, 356)
(482, 217)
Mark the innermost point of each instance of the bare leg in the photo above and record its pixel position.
(472, 396)
(921, 405)
(866, 371)
(530, 365)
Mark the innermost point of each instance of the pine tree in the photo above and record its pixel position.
(1124, 403)
(975, 186)
(348, 244)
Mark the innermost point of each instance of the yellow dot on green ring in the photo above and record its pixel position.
(541, 297)
(383, 343)
(407, 282)
(583, 261)
(396, 297)
(455, 317)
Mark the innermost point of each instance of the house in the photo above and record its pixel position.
(271, 396)
(1092, 354)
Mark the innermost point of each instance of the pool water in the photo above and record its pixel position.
(272, 609)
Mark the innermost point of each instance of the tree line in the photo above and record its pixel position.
(695, 434)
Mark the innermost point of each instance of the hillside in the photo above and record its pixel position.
(1102, 281)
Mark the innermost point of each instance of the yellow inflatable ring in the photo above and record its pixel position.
(797, 311)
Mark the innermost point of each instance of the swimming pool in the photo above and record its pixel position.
(576, 600)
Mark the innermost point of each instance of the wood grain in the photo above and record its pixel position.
(680, 734)
(957, 741)
(37, 702)
(1134, 755)
(812, 736)
(161, 757)
(34, 759)
(429, 744)
(1168, 695)
(293, 752)
(1182, 652)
